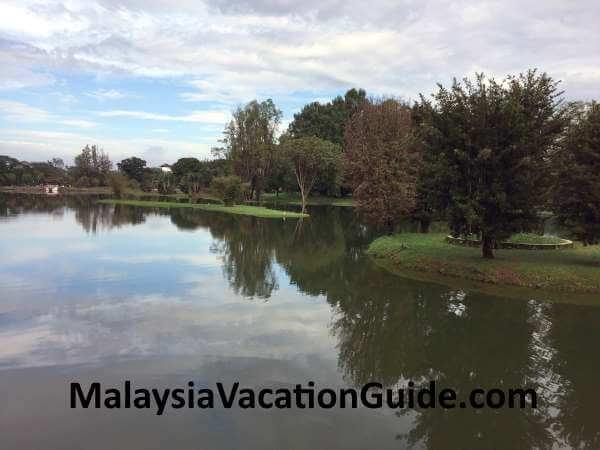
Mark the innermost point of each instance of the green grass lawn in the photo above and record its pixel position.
(526, 238)
(295, 199)
(568, 270)
(247, 210)
(531, 238)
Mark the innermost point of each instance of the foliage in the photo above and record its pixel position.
(328, 121)
(184, 166)
(309, 158)
(91, 162)
(83, 182)
(383, 159)
(193, 182)
(150, 179)
(133, 167)
(15, 172)
(204, 171)
(118, 183)
(166, 183)
(577, 164)
(228, 188)
(250, 142)
(490, 142)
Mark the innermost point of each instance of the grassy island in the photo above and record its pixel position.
(291, 198)
(569, 270)
(257, 211)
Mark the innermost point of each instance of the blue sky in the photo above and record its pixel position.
(147, 78)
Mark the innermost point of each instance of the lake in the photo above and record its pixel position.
(111, 293)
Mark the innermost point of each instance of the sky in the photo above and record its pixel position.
(158, 79)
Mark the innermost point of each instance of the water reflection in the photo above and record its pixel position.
(110, 285)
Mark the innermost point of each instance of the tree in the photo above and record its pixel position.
(250, 142)
(92, 162)
(133, 167)
(118, 183)
(491, 141)
(193, 182)
(166, 183)
(383, 159)
(328, 121)
(229, 188)
(184, 166)
(57, 163)
(577, 163)
(310, 157)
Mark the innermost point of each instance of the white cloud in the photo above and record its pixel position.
(20, 112)
(106, 94)
(210, 117)
(246, 48)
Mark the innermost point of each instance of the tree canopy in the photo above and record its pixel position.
(310, 158)
(133, 167)
(383, 159)
(577, 165)
(492, 141)
(249, 140)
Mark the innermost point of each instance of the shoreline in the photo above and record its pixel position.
(246, 210)
(563, 271)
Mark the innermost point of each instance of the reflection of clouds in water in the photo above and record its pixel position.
(456, 303)
(25, 255)
(150, 326)
(196, 259)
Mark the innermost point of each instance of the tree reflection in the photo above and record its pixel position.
(575, 336)
(397, 330)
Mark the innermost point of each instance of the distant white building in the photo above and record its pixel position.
(166, 168)
(51, 189)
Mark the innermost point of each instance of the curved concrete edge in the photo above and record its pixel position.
(510, 245)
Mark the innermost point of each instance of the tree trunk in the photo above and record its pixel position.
(390, 227)
(487, 246)
(303, 201)
(425, 225)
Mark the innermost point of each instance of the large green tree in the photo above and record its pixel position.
(91, 163)
(328, 121)
(577, 190)
(184, 166)
(133, 167)
(249, 140)
(383, 159)
(491, 143)
(309, 158)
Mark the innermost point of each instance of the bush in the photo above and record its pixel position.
(133, 184)
(83, 182)
(228, 188)
(166, 184)
(118, 183)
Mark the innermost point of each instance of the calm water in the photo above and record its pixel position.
(103, 293)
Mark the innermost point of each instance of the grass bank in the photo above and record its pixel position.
(569, 270)
(294, 199)
(246, 210)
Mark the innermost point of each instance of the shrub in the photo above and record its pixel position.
(228, 188)
(166, 184)
(83, 182)
(118, 183)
